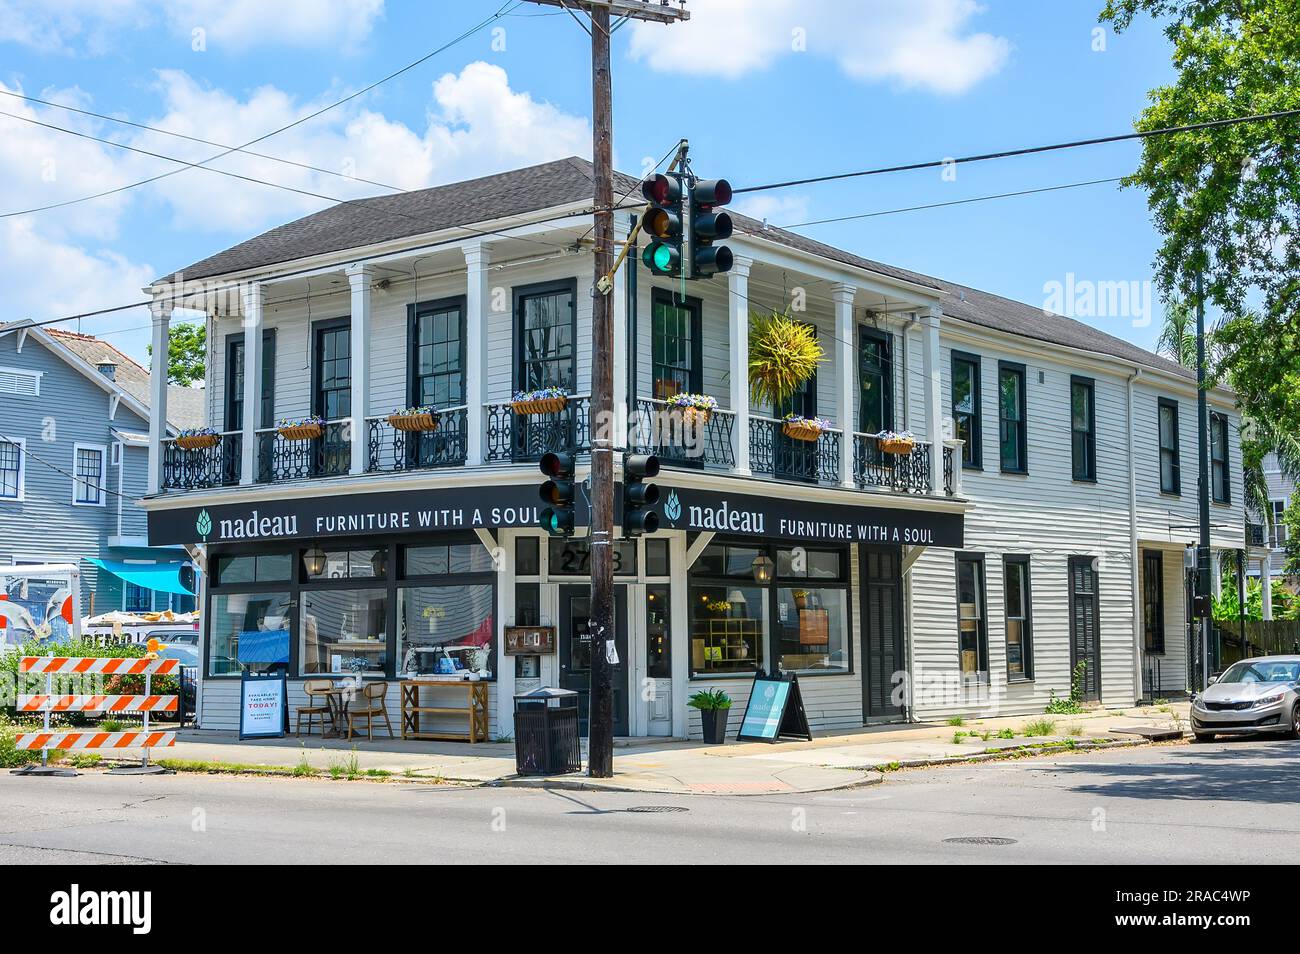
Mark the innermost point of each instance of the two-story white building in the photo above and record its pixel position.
(1037, 529)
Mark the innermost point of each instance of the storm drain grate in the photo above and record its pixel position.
(979, 840)
(657, 808)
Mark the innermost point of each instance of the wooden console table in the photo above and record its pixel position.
(475, 710)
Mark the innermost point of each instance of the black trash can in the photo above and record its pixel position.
(546, 732)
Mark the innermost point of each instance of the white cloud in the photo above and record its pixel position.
(66, 26)
(926, 44)
(775, 210)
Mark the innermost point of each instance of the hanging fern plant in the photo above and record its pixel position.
(783, 354)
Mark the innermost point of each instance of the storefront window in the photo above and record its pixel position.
(800, 563)
(446, 628)
(249, 631)
(447, 558)
(656, 557)
(658, 612)
(264, 568)
(728, 628)
(344, 564)
(527, 556)
(343, 631)
(811, 629)
(728, 560)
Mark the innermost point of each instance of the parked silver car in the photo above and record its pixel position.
(1254, 695)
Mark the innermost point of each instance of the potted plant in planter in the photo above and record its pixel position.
(783, 354)
(422, 418)
(696, 409)
(302, 429)
(539, 401)
(801, 428)
(896, 442)
(714, 704)
(197, 438)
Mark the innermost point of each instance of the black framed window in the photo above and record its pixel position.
(658, 632)
(675, 345)
(875, 381)
(332, 369)
(1153, 601)
(546, 325)
(436, 349)
(1170, 477)
(1013, 438)
(966, 407)
(800, 616)
(1018, 603)
(1221, 480)
(972, 624)
(235, 381)
(1083, 429)
(11, 470)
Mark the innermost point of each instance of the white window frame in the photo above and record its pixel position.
(151, 593)
(23, 373)
(102, 449)
(21, 443)
(1279, 528)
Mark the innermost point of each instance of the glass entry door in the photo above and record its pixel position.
(575, 652)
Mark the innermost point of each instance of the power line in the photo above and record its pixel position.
(275, 132)
(940, 205)
(205, 142)
(1008, 153)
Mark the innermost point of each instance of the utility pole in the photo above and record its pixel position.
(600, 721)
(1203, 497)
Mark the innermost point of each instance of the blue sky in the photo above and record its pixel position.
(766, 90)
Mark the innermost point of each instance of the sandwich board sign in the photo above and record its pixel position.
(263, 713)
(775, 710)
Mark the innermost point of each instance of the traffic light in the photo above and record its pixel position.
(638, 496)
(709, 224)
(557, 492)
(663, 223)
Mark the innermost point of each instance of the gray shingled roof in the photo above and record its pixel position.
(563, 181)
(185, 406)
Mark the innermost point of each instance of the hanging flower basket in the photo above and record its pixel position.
(199, 438)
(892, 442)
(414, 419)
(308, 429)
(696, 409)
(783, 356)
(539, 401)
(804, 428)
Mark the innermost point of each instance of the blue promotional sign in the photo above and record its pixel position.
(774, 711)
(263, 706)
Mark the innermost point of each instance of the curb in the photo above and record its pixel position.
(1018, 753)
(874, 777)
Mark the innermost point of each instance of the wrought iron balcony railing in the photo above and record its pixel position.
(390, 449)
(903, 473)
(682, 439)
(202, 467)
(772, 452)
(279, 458)
(511, 437)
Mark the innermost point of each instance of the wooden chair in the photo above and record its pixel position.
(371, 703)
(317, 691)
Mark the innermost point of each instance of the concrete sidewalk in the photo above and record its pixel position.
(674, 766)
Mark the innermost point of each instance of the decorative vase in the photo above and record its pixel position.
(714, 724)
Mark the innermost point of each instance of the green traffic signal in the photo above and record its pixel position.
(662, 258)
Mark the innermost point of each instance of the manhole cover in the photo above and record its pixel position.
(657, 808)
(979, 840)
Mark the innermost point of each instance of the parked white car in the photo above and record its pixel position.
(1260, 695)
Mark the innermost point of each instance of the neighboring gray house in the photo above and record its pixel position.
(1268, 536)
(74, 426)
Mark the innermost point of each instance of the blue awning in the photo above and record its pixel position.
(163, 577)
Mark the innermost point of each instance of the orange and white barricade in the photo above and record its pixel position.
(49, 702)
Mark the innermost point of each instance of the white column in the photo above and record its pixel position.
(478, 296)
(359, 278)
(1266, 584)
(738, 288)
(1216, 573)
(845, 377)
(932, 374)
(254, 297)
(161, 312)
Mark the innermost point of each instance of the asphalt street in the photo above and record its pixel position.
(1228, 802)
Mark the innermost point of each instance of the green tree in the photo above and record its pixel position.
(186, 353)
(1291, 521)
(1226, 200)
(1177, 340)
